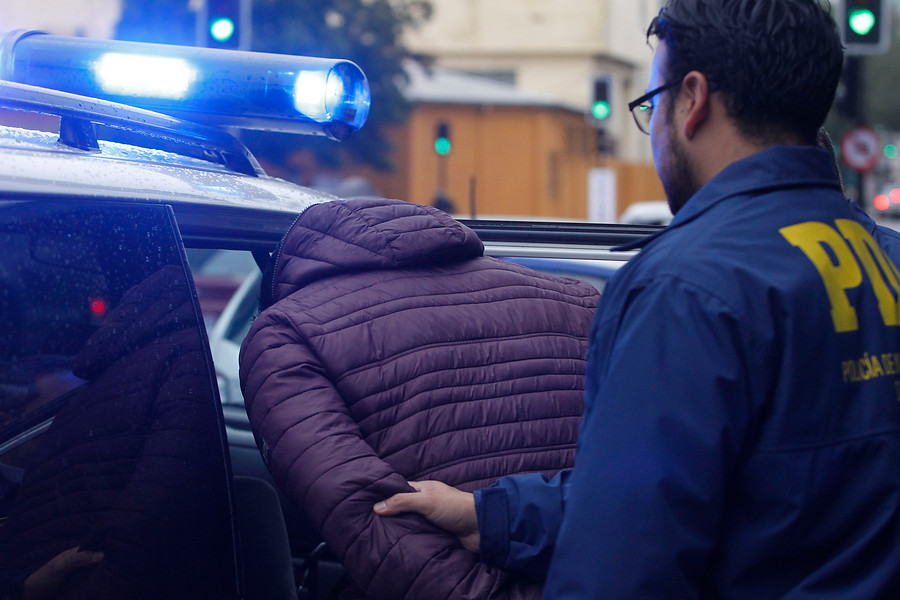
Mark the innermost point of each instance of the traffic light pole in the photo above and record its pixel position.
(865, 30)
(442, 147)
(442, 173)
(855, 110)
(246, 24)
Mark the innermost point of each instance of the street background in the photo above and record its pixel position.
(489, 107)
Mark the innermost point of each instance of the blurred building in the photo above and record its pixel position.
(551, 47)
(557, 161)
(85, 18)
(492, 150)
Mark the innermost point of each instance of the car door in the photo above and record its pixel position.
(112, 444)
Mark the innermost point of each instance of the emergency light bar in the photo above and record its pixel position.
(250, 90)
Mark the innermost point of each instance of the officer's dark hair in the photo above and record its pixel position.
(776, 62)
(823, 141)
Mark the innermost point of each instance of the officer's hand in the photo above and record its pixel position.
(445, 506)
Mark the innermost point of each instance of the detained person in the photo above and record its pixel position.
(390, 348)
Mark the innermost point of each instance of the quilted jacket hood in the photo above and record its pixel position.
(364, 235)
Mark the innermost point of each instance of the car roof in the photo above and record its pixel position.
(227, 199)
(32, 162)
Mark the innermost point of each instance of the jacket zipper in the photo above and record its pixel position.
(277, 255)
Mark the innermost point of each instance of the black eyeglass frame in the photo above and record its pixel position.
(639, 101)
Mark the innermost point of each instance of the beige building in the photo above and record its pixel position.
(537, 157)
(513, 153)
(551, 47)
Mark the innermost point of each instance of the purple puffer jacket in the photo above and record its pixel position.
(395, 351)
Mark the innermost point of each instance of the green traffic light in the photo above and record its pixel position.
(600, 110)
(442, 146)
(221, 29)
(890, 151)
(861, 21)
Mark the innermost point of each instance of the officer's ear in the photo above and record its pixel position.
(694, 98)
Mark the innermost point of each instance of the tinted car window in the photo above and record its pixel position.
(111, 439)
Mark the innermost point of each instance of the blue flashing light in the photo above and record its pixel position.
(317, 94)
(250, 90)
(221, 29)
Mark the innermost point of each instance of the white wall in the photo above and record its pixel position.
(88, 18)
(513, 26)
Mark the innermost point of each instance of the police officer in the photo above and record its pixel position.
(742, 429)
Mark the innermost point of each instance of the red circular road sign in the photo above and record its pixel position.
(861, 149)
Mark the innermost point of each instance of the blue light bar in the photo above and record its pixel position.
(250, 90)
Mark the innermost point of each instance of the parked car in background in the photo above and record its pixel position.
(217, 276)
(655, 212)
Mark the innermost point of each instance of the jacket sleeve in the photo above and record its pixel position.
(316, 454)
(667, 408)
(519, 519)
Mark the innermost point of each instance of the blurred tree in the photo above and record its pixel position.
(882, 87)
(368, 32)
(161, 21)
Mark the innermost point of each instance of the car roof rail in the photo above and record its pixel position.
(79, 116)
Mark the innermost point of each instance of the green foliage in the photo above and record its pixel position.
(368, 32)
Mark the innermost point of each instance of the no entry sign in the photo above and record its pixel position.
(861, 149)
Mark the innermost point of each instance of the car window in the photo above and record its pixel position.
(245, 310)
(111, 438)
(595, 272)
(217, 274)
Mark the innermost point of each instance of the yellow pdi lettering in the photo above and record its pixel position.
(885, 280)
(811, 238)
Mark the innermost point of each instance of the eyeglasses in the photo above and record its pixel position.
(642, 109)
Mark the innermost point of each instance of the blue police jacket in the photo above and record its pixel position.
(742, 430)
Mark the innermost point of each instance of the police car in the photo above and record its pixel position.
(117, 477)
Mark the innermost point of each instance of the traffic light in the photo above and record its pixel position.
(601, 99)
(225, 24)
(865, 26)
(848, 99)
(442, 139)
